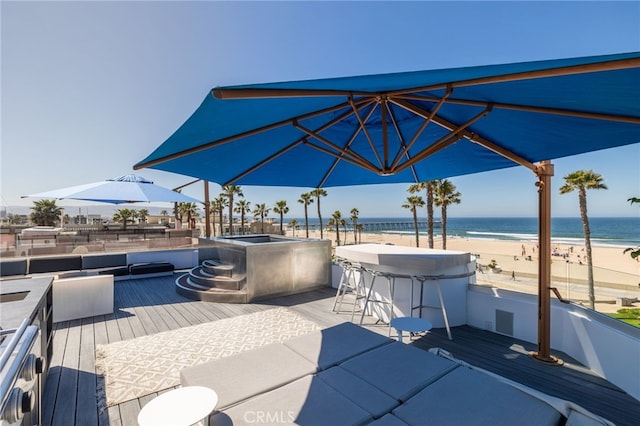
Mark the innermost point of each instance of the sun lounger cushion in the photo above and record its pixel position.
(388, 420)
(150, 268)
(398, 369)
(484, 399)
(110, 260)
(38, 265)
(241, 376)
(372, 400)
(307, 401)
(333, 345)
(9, 267)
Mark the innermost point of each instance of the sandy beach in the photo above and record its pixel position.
(616, 274)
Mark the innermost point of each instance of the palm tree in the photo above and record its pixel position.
(45, 213)
(581, 180)
(306, 199)
(190, 210)
(124, 216)
(444, 194)
(319, 192)
(230, 191)
(413, 202)
(281, 209)
(242, 207)
(293, 223)
(354, 219)
(336, 220)
(142, 215)
(428, 187)
(262, 211)
(220, 202)
(359, 228)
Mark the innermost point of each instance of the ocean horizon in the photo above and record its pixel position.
(605, 231)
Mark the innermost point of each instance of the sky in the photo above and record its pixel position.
(90, 88)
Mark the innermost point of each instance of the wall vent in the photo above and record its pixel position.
(504, 322)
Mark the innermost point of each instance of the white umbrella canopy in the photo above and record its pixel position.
(124, 189)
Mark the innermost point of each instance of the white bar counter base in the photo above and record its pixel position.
(456, 270)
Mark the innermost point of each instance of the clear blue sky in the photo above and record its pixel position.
(91, 88)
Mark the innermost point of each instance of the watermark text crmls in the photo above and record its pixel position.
(269, 417)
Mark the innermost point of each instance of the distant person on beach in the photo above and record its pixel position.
(513, 275)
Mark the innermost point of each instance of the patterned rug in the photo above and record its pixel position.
(134, 368)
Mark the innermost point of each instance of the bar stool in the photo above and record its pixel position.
(348, 282)
(436, 278)
(391, 284)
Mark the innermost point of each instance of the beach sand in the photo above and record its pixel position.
(616, 274)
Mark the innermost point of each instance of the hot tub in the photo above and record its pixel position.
(270, 265)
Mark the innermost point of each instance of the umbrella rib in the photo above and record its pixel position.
(385, 132)
(456, 134)
(367, 165)
(344, 151)
(528, 108)
(428, 119)
(348, 144)
(248, 133)
(366, 132)
(402, 149)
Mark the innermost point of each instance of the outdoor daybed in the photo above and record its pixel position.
(349, 375)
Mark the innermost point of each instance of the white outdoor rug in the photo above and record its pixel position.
(134, 368)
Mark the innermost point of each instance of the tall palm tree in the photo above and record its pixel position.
(413, 202)
(336, 220)
(319, 192)
(445, 193)
(581, 180)
(220, 202)
(354, 219)
(427, 186)
(242, 207)
(359, 228)
(306, 198)
(45, 213)
(262, 211)
(281, 209)
(142, 215)
(190, 210)
(230, 191)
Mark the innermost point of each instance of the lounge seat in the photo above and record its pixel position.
(249, 373)
(333, 345)
(485, 401)
(398, 369)
(154, 268)
(307, 401)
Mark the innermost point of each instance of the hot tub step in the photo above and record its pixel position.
(199, 276)
(195, 292)
(214, 267)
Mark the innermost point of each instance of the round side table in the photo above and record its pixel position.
(411, 325)
(181, 406)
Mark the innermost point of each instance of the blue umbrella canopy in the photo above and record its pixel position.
(407, 127)
(120, 190)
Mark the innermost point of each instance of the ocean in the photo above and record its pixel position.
(605, 231)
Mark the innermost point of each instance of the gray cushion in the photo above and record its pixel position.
(466, 396)
(399, 370)
(9, 267)
(238, 377)
(94, 261)
(39, 265)
(336, 344)
(373, 400)
(308, 401)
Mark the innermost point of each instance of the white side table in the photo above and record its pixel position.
(181, 406)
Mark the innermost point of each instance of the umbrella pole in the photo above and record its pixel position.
(207, 218)
(544, 171)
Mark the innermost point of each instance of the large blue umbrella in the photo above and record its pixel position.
(413, 127)
(120, 190)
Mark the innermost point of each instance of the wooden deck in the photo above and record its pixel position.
(148, 306)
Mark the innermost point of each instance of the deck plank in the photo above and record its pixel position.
(144, 307)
